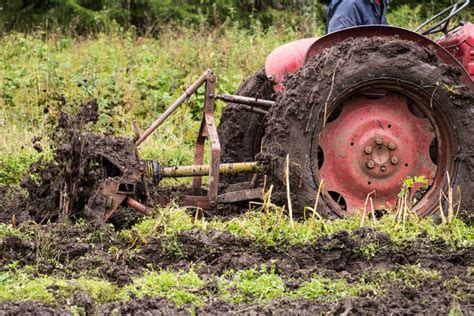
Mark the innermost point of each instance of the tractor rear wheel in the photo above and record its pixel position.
(365, 115)
(241, 132)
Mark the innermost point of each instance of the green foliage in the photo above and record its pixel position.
(251, 285)
(132, 78)
(148, 16)
(322, 287)
(179, 287)
(7, 229)
(168, 222)
(411, 276)
(52, 290)
(275, 229)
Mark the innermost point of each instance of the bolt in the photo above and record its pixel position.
(392, 145)
(430, 129)
(394, 160)
(370, 164)
(378, 140)
(212, 203)
(368, 149)
(211, 96)
(383, 168)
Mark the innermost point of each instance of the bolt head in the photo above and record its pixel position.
(370, 164)
(383, 168)
(394, 160)
(379, 140)
(392, 145)
(368, 149)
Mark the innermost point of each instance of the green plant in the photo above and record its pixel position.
(251, 285)
(180, 287)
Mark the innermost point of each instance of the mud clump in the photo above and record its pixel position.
(60, 189)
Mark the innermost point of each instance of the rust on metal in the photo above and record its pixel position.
(203, 170)
(237, 196)
(264, 104)
(382, 124)
(137, 206)
(185, 96)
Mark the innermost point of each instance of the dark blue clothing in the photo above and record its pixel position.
(348, 13)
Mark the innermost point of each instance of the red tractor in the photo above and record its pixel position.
(363, 109)
(343, 119)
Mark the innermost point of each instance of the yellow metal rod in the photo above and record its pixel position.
(203, 170)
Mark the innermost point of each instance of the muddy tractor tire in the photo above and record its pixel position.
(240, 131)
(363, 116)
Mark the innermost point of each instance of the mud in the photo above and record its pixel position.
(60, 189)
(240, 132)
(87, 249)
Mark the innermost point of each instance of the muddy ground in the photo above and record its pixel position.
(85, 250)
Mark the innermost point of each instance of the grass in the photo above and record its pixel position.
(186, 288)
(275, 228)
(133, 78)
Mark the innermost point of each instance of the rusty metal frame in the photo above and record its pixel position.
(208, 130)
(112, 193)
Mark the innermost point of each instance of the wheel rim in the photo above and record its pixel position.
(375, 138)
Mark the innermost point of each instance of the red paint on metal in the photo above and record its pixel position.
(461, 45)
(392, 132)
(286, 59)
(138, 206)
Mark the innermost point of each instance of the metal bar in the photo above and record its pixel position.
(203, 170)
(189, 91)
(237, 196)
(135, 150)
(213, 181)
(199, 156)
(265, 104)
(138, 206)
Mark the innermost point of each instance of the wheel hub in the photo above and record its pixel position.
(371, 147)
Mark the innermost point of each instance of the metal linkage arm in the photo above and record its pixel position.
(261, 103)
(189, 91)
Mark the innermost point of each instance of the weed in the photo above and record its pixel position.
(179, 287)
(251, 285)
(8, 230)
(321, 287)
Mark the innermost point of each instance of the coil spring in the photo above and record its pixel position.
(152, 170)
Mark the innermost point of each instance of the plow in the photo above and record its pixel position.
(343, 119)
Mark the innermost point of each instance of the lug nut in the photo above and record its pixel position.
(394, 160)
(392, 146)
(383, 168)
(378, 140)
(368, 149)
(370, 164)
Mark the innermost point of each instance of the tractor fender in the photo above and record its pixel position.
(288, 59)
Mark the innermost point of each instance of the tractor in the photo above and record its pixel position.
(340, 122)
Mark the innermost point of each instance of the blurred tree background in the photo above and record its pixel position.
(148, 16)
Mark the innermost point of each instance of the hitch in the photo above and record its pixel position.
(113, 193)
